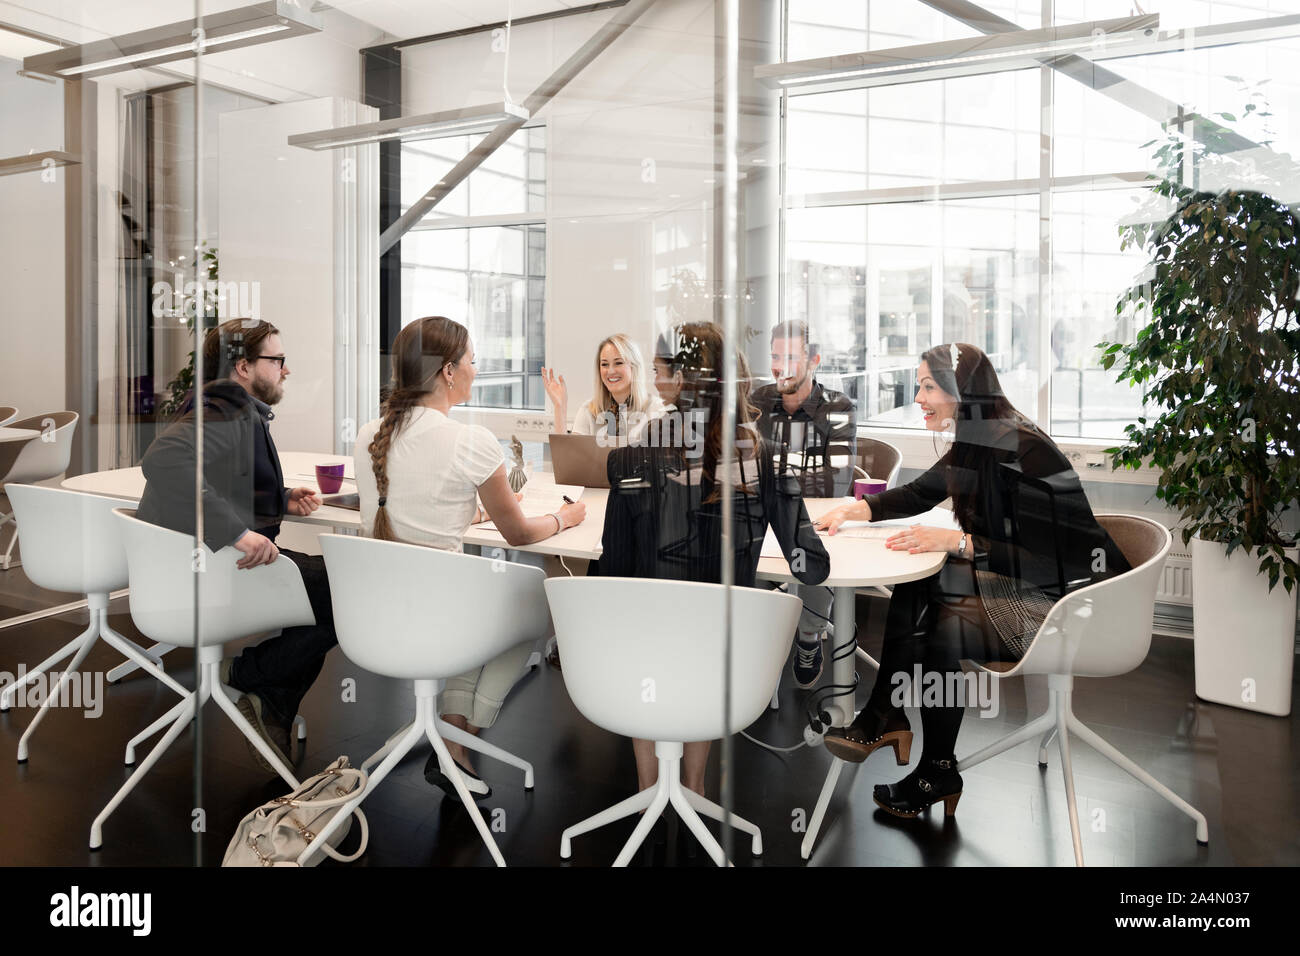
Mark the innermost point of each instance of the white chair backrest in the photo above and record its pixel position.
(644, 657)
(46, 456)
(71, 541)
(407, 611)
(1104, 629)
(234, 603)
(7, 414)
(884, 458)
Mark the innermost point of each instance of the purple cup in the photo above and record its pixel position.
(868, 486)
(329, 478)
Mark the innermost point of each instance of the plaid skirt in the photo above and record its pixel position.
(1015, 609)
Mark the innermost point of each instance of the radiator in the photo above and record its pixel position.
(1175, 585)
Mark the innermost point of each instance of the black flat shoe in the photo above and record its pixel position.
(932, 781)
(868, 732)
(475, 784)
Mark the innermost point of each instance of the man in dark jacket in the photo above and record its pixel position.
(244, 500)
(815, 430)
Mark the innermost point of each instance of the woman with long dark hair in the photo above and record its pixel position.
(1025, 537)
(419, 480)
(664, 512)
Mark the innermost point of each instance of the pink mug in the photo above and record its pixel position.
(329, 478)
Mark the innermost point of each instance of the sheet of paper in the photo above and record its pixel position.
(542, 500)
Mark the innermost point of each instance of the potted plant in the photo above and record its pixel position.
(180, 387)
(1217, 359)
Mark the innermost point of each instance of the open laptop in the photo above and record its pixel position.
(579, 460)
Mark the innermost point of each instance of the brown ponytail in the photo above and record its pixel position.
(420, 353)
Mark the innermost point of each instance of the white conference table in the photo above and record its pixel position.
(855, 563)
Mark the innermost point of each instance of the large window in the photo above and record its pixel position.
(986, 209)
(480, 258)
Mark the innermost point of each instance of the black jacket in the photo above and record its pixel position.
(829, 429)
(243, 486)
(1031, 520)
(659, 522)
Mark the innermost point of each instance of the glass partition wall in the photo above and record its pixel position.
(413, 234)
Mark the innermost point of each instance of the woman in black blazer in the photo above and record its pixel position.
(664, 513)
(1027, 537)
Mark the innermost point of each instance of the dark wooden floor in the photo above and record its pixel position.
(1241, 769)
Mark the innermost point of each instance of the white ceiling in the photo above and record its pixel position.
(79, 21)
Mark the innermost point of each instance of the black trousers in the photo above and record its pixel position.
(280, 670)
(936, 622)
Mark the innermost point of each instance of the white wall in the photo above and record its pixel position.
(32, 316)
(285, 226)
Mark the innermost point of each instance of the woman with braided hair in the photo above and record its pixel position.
(420, 481)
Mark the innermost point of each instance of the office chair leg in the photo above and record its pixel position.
(137, 655)
(1044, 744)
(1044, 723)
(154, 653)
(819, 811)
(426, 714)
(711, 810)
(383, 751)
(867, 659)
(55, 693)
(396, 751)
(7, 561)
(688, 815)
(1061, 703)
(188, 707)
(300, 727)
(467, 740)
(776, 697)
(152, 729)
(624, 808)
(1090, 737)
(658, 800)
(7, 695)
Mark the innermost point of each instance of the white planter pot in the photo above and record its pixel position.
(1245, 634)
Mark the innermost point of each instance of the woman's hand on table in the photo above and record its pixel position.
(302, 501)
(920, 538)
(573, 514)
(830, 522)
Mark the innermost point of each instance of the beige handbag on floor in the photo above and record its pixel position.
(276, 833)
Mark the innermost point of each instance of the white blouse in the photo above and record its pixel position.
(435, 467)
(631, 428)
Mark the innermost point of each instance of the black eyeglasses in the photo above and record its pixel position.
(278, 359)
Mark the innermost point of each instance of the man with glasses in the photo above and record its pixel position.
(244, 500)
(814, 431)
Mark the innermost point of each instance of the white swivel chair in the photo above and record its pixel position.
(37, 459)
(423, 615)
(233, 604)
(72, 542)
(659, 676)
(1102, 630)
(7, 414)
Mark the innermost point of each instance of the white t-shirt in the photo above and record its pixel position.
(632, 426)
(435, 466)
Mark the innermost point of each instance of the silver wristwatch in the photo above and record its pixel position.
(961, 548)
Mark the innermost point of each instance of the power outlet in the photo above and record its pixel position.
(532, 423)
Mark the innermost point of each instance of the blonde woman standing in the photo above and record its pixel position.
(624, 402)
(420, 479)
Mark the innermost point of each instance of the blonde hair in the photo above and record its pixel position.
(638, 399)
